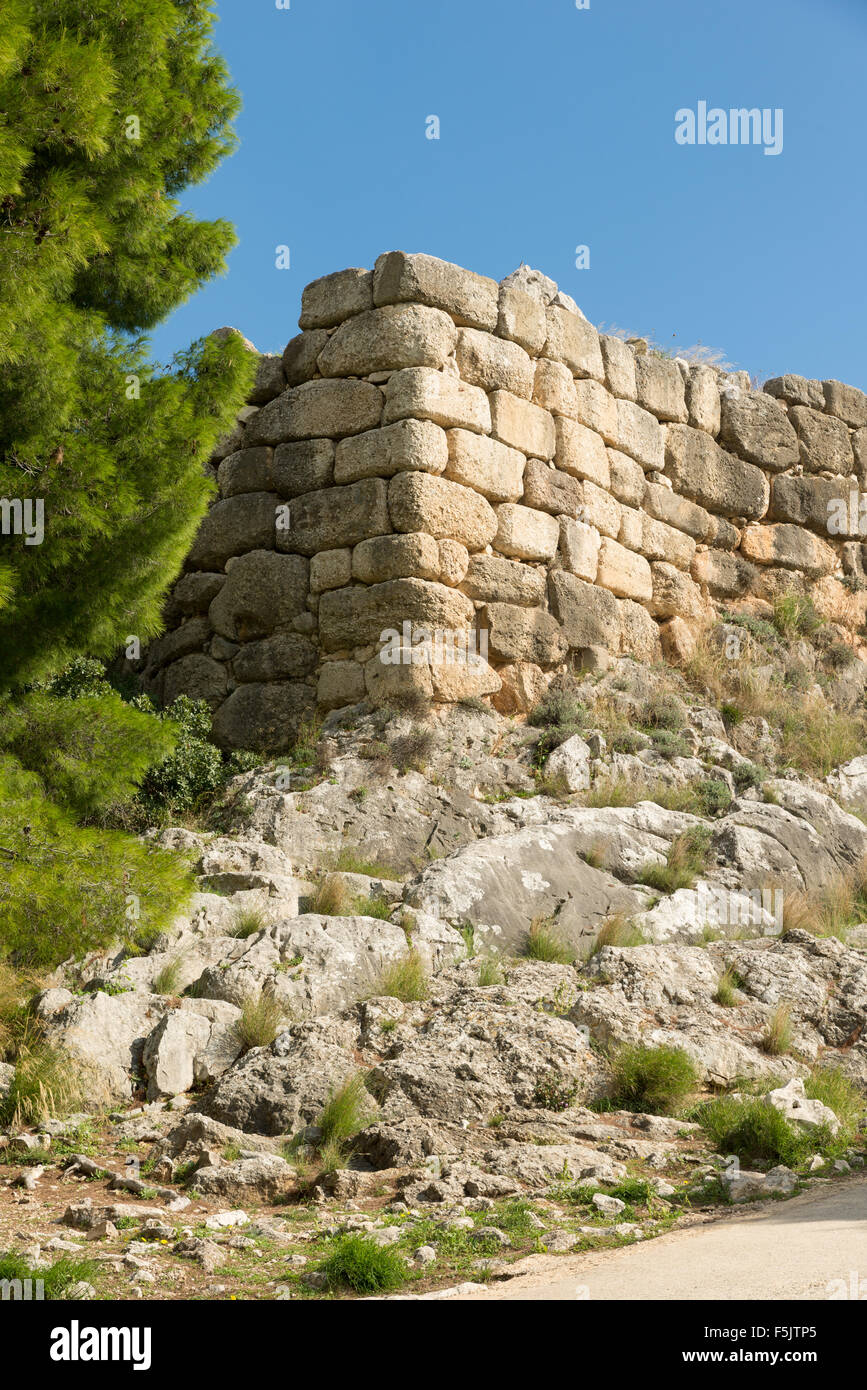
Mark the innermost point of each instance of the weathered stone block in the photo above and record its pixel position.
(796, 390)
(522, 319)
(698, 467)
(493, 469)
(589, 615)
(660, 388)
(249, 470)
(301, 355)
(330, 569)
(601, 510)
(702, 398)
(639, 434)
(341, 683)
(304, 467)
(825, 444)
(421, 502)
(234, 526)
(571, 339)
(639, 634)
(554, 388)
(409, 556)
(194, 592)
(491, 579)
(199, 677)
(333, 298)
(264, 717)
(388, 339)
(675, 594)
(619, 362)
(357, 616)
(679, 641)
(656, 540)
(579, 548)
(386, 681)
(454, 562)
(317, 410)
(846, 402)
(262, 591)
(626, 478)
(623, 572)
(403, 447)
(789, 546)
(523, 634)
(526, 534)
(286, 656)
(757, 428)
(335, 517)
(724, 574)
(665, 505)
(494, 364)
(549, 490)
(581, 452)
(426, 394)
(824, 504)
(522, 425)
(596, 408)
(471, 300)
(270, 379)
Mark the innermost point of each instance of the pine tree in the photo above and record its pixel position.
(108, 112)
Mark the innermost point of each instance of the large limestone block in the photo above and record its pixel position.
(454, 561)
(190, 636)
(654, 539)
(571, 339)
(317, 410)
(601, 510)
(301, 355)
(194, 1043)
(333, 298)
(341, 683)
(330, 569)
(443, 509)
(579, 548)
(639, 633)
(385, 340)
(619, 360)
(471, 300)
(824, 441)
(410, 556)
(549, 490)
(675, 594)
(464, 680)
(702, 398)
(815, 502)
(263, 717)
(589, 615)
(626, 478)
(195, 591)
(494, 363)
(526, 534)
(426, 394)
(517, 633)
(581, 452)
(554, 388)
(756, 427)
(846, 402)
(660, 387)
(668, 506)
(724, 574)
(796, 390)
(270, 379)
(285, 656)
(335, 517)
(199, 677)
(522, 319)
(623, 572)
(303, 467)
(492, 579)
(247, 470)
(596, 409)
(640, 435)
(492, 468)
(398, 448)
(522, 425)
(704, 472)
(234, 526)
(789, 546)
(357, 616)
(262, 591)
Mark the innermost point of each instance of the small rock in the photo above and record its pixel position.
(609, 1206)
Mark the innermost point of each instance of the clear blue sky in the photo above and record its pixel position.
(557, 129)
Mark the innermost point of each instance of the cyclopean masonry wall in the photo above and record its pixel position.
(439, 453)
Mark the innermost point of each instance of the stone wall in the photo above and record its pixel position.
(439, 452)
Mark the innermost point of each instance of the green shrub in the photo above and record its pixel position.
(686, 859)
(195, 773)
(560, 713)
(554, 1092)
(653, 1079)
(490, 972)
(795, 615)
(259, 1024)
(347, 1111)
(714, 796)
(663, 711)
(728, 984)
(356, 1263)
(754, 1131)
(748, 775)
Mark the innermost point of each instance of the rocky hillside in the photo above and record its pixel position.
(458, 987)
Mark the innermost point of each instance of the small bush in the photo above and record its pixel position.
(246, 922)
(411, 752)
(259, 1024)
(554, 1092)
(686, 859)
(795, 616)
(754, 1131)
(544, 943)
(777, 1037)
(356, 1263)
(47, 1083)
(663, 712)
(728, 984)
(656, 1080)
(332, 898)
(748, 775)
(405, 979)
(714, 796)
(346, 1112)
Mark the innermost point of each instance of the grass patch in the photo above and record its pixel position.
(356, 1263)
(405, 979)
(728, 984)
(686, 859)
(56, 1280)
(653, 1080)
(777, 1037)
(346, 1112)
(260, 1021)
(490, 972)
(832, 910)
(166, 980)
(247, 922)
(616, 931)
(544, 943)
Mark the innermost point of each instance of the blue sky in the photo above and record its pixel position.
(556, 130)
